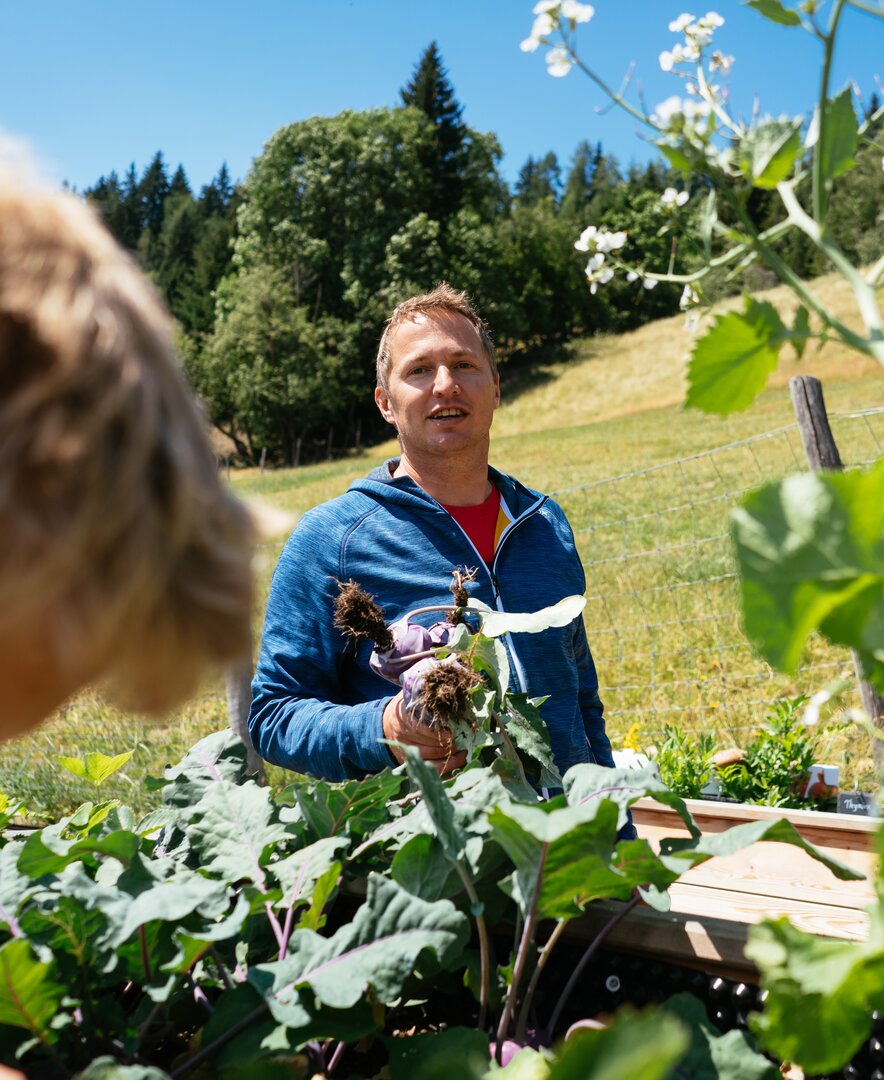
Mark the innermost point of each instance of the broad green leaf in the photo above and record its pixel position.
(219, 756)
(45, 852)
(495, 623)
(94, 767)
(527, 1064)
(698, 849)
(528, 731)
(298, 873)
(147, 890)
(457, 1051)
(352, 808)
(232, 832)
(314, 917)
(489, 656)
(378, 950)
(421, 868)
(775, 11)
(85, 818)
(192, 944)
(9, 809)
(70, 931)
(811, 556)
(29, 995)
(840, 136)
(107, 1068)
(712, 1055)
(439, 807)
(584, 783)
(800, 330)
(821, 992)
(731, 362)
(647, 1045)
(15, 887)
(676, 156)
(769, 150)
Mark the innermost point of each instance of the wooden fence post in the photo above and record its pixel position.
(822, 453)
(238, 681)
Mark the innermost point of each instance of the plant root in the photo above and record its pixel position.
(358, 616)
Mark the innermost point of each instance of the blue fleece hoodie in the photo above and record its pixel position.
(317, 707)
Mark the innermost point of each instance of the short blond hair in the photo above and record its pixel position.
(118, 535)
(443, 299)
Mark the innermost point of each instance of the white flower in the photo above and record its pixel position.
(721, 62)
(672, 198)
(698, 36)
(691, 321)
(691, 51)
(558, 62)
(579, 13)
(543, 25)
(587, 241)
(677, 25)
(542, 7)
(601, 278)
(596, 262)
(668, 110)
(650, 283)
(633, 275)
(689, 298)
(610, 241)
(667, 59)
(712, 18)
(529, 44)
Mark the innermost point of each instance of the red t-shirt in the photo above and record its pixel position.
(480, 523)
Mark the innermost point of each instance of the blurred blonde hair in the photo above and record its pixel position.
(117, 536)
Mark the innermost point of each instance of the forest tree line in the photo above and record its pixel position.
(281, 284)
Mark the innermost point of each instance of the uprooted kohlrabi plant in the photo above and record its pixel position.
(454, 673)
(332, 929)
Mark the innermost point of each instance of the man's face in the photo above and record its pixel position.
(441, 393)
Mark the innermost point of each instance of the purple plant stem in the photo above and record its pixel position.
(336, 1056)
(588, 955)
(521, 958)
(274, 923)
(484, 946)
(522, 1022)
(286, 932)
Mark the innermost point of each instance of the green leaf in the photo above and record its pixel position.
(420, 867)
(353, 808)
(495, 623)
(811, 556)
(527, 729)
(840, 136)
(821, 992)
(94, 767)
(708, 218)
(776, 12)
(29, 995)
(193, 944)
(46, 852)
(584, 783)
(457, 1051)
(377, 951)
(489, 656)
(647, 1044)
(107, 1068)
(676, 156)
(298, 873)
(438, 806)
(769, 151)
(731, 362)
(232, 832)
(219, 756)
(712, 1055)
(800, 330)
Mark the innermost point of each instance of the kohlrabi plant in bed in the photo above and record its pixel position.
(403, 922)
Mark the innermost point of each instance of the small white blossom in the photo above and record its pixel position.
(529, 44)
(667, 60)
(543, 7)
(689, 298)
(597, 274)
(578, 13)
(667, 111)
(594, 240)
(672, 198)
(596, 262)
(679, 24)
(691, 51)
(712, 18)
(587, 239)
(721, 62)
(543, 25)
(649, 283)
(633, 275)
(558, 62)
(611, 241)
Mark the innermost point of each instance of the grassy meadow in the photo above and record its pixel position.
(600, 427)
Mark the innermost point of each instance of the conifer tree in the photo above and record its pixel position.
(540, 179)
(430, 91)
(153, 189)
(179, 184)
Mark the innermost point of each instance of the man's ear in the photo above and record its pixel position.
(382, 401)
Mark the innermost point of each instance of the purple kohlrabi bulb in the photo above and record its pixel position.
(413, 689)
(439, 633)
(408, 638)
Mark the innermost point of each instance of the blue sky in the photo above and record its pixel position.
(96, 85)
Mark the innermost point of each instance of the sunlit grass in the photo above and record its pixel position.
(610, 409)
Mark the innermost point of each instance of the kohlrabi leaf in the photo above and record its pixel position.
(219, 756)
(297, 874)
(94, 767)
(377, 951)
(527, 729)
(421, 868)
(439, 807)
(30, 995)
(712, 1055)
(811, 555)
(232, 831)
(731, 362)
(776, 12)
(820, 993)
(648, 1045)
(488, 656)
(495, 623)
(45, 852)
(585, 783)
(192, 944)
(457, 1051)
(352, 808)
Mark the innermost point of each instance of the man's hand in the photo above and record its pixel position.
(436, 747)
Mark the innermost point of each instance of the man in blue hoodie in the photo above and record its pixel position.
(317, 707)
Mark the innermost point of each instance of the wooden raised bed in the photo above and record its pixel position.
(714, 905)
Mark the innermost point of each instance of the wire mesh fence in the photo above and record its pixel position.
(663, 594)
